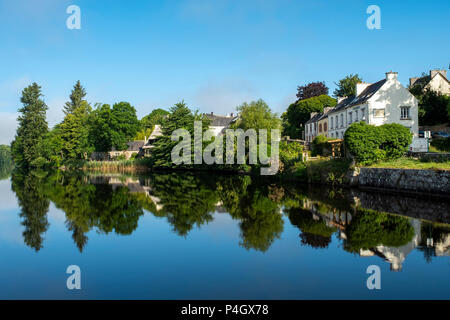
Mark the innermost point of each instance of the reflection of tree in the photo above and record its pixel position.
(98, 206)
(186, 200)
(369, 229)
(315, 232)
(254, 205)
(34, 206)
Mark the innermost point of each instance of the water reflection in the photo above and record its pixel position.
(115, 203)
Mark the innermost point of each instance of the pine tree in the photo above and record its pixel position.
(32, 129)
(76, 98)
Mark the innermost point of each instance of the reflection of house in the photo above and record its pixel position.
(437, 81)
(220, 123)
(396, 255)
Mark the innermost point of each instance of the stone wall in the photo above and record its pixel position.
(428, 181)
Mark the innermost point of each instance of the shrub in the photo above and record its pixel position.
(442, 144)
(290, 152)
(369, 144)
(319, 146)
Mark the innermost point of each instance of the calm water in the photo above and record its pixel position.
(180, 236)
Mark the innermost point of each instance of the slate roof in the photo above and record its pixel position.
(220, 121)
(316, 118)
(135, 145)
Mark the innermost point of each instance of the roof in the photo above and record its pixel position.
(367, 93)
(362, 98)
(315, 118)
(135, 145)
(220, 121)
(157, 132)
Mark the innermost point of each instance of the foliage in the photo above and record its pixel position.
(369, 144)
(369, 229)
(124, 125)
(434, 107)
(290, 152)
(328, 171)
(256, 115)
(319, 146)
(442, 144)
(34, 205)
(312, 89)
(76, 98)
(347, 87)
(408, 163)
(181, 117)
(6, 162)
(299, 113)
(143, 134)
(101, 130)
(157, 116)
(314, 232)
(32, 129)
(75, 133)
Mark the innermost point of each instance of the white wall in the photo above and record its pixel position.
(439, 84)
(391, 96)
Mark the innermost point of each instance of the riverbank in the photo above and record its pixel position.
(403, 175)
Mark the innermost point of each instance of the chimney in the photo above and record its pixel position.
(212, 113)
(391, 75)
(327, 109)
(412, 81)
(360, 87)
(340, 99)
(313, 114)
(436, 71)
(232, 115)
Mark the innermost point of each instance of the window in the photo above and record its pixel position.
(320, 127)
(342, 120)
(325, 127)
(363, 114)
(379, 113)
(350, 116)
(331, 124)
(336, 122)
(356, 116)
(405, 113)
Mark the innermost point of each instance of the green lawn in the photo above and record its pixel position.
(406, 163)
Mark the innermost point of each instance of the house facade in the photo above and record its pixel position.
(383, 102)
(437, 81)
(317, 125)
(218, 123)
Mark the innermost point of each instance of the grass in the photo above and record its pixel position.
(408, 163)
(135, 165)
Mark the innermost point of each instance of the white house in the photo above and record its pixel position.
(386, 101)
(220, 123)
(437, 81)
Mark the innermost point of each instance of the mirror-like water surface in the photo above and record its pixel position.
(185, 236)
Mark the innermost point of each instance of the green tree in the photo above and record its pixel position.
(347, 87)
(32, 129)
(124, 124)
(157, 116)
(100, 129)
(181, 117)
(257, 115)
(75, 133)
(434, 107)
(76, 98)
(298, 113)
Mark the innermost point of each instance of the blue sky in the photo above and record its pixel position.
(214, 54)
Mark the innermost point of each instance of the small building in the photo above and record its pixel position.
(436, 81)
(134, 147)
(317, 125)
(220, 123)
(149, 143)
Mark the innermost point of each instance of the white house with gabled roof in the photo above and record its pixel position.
(386, 101)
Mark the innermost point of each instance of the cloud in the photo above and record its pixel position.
(8, 125)
(224, 96)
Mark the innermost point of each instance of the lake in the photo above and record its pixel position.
(206, 236)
